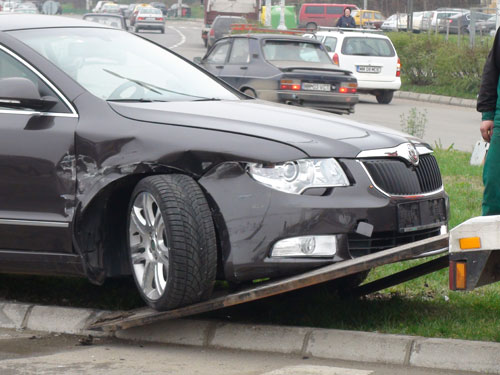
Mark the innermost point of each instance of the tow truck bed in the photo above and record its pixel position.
(144, 316)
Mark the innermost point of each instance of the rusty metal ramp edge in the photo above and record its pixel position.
(132, 318)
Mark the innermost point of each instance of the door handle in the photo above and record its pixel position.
(219, 66)
(243, 67)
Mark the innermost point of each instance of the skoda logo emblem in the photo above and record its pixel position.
(412, 154)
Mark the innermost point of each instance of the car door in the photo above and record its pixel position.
(217, 56)
(236, 68)
(37, 166)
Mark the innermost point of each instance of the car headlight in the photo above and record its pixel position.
(299, 175)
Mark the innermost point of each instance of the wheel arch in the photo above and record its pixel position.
(99, 227)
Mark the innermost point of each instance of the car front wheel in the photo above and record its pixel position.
(171, 241)
(385, 97)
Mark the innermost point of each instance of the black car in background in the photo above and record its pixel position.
(283, 69)
(119, 157)
(221, 27)
(460, 22)
(160, 6)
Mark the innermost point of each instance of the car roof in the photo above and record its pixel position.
(352, 33)
(102, 15)
(221, 16)
(274, 37)
(12, 21)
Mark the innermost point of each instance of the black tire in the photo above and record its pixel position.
(162, 31)
(311, 26)
(249, 92)
(385, 97)
(189, 236)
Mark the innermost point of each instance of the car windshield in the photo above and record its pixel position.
(290, 50)
(362, 46)
(117, 65)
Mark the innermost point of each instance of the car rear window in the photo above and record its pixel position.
(288, 50)
(315, 9)
(334, 10)
(225, 23)
(361, 46)
(150, 11)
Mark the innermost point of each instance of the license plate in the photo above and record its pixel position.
(150, 19)
(368, 69)
(316, 86)
(421, 215)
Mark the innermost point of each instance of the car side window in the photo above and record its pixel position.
(315, 9)
(218, 54)
(334, 10)
(240, 53)
(378, 16)
(12, 68)
(330, 43)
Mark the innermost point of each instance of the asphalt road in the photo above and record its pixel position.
(31, 353)
(447, 125)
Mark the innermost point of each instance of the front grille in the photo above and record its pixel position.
(395, 177)
(360, 245)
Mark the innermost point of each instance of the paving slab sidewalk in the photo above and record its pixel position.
(446, 354)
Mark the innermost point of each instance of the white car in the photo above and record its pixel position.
(395, 22)
(370, 56)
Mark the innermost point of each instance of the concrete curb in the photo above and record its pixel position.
(438, 99)
(413, 351)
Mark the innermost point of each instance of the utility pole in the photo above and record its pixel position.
(179, 8)
(282, 25)
(409, 22)
(268, 13)
(365, 4)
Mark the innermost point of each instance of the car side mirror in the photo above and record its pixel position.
(19, 92)
(197, 60)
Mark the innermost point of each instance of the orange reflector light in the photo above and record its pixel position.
(461, 275)
(470, 243)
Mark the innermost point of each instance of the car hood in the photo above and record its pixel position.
(318, 134)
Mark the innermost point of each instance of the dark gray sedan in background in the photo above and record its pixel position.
(119, 157)
(284, 69)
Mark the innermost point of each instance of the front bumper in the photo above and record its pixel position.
(250, 218)
(330, 102)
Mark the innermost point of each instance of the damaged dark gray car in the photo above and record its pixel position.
(118, 157)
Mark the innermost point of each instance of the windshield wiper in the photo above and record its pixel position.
(140, 100)
(152, 87)
(207, 100)
(139, 83)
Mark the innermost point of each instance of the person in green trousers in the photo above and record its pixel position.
(488, 103)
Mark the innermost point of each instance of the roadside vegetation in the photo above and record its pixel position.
(433, 65)
(423, 306)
